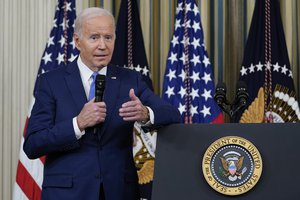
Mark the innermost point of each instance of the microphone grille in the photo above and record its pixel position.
(221, 86)
(241, 85)
(100, 81)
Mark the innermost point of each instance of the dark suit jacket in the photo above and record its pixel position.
(75, 168)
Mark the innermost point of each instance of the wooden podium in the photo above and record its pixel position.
(180, 150)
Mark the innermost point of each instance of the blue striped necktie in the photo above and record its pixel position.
(92, 88)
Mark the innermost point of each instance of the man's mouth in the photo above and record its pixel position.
(100, 56)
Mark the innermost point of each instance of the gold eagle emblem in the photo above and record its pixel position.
(255, 112)
(232, 167)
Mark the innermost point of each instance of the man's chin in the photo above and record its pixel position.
(101, 65)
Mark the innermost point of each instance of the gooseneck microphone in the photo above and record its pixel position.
(241, 93)
(99, 91)
(220, 97)
(239, 102)
(220, 94)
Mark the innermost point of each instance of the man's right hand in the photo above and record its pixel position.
(91, 114)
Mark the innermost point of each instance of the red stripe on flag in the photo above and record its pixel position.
(43, 159)
(27, 183)
(219, 119)
(25, 127)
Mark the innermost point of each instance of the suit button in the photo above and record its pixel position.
(97, 176)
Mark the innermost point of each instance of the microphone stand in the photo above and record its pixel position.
(231, 108)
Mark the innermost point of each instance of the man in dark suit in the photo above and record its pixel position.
(81, 164)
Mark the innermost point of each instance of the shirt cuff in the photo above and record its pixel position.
(151, 115)
(151, 118)
(77, 131)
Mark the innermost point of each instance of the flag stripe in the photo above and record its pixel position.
(27, 183)
(33, 167)
(18, 193)
(219, 119)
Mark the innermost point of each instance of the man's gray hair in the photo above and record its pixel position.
(89, 13)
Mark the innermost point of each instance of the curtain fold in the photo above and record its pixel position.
(23, 36)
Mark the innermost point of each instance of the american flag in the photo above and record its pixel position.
(188, 81)
(60, 49)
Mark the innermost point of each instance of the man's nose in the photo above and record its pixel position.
(101, 44)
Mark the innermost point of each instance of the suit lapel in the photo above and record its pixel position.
(74, 83)
(111, 90)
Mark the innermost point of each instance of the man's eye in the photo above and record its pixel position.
(94, 37)
(108, 38)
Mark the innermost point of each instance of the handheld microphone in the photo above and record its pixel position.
(99, 87)
(99, 91)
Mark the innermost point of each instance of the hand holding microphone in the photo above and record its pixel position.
(94, 112)
(99, 92)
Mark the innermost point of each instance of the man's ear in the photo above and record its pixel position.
(76, 40)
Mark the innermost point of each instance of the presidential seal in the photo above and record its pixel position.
(232, 165)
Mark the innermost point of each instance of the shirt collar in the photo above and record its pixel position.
(86, 72)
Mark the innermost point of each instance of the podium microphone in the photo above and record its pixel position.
(241, 93)
(241, 97)
(220, 94)
(220, 97)
(99, 91)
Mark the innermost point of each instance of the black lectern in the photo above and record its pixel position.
(180, 150)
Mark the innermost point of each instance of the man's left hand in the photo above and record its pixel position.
(134, 110)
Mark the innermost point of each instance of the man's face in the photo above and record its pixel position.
(97, 41)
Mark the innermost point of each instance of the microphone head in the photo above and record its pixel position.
(241, 85)
(241, 92)
(221, 87)
(99, 87)
(220, 94)
(100, 82)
